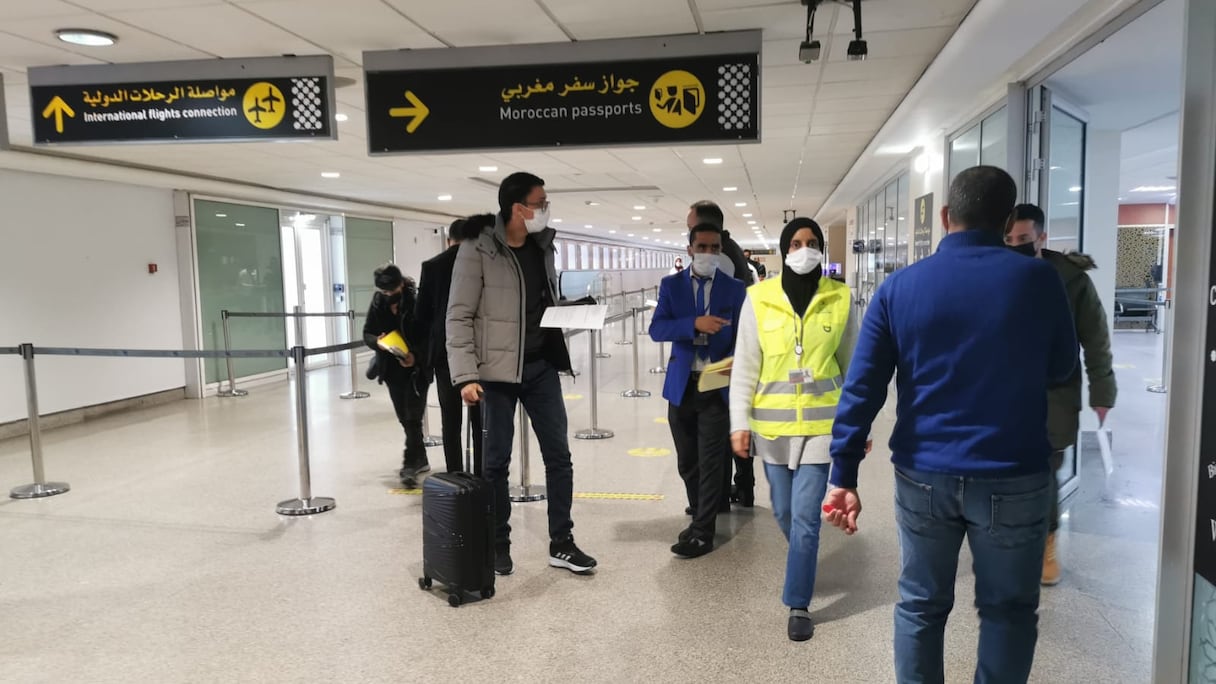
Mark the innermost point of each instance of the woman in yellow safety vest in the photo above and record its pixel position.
(795, 338)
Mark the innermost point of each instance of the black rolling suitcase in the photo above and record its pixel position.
(458, 531)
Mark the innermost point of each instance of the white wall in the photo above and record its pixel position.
(1103, 150)
(74, 272)
(414, 242)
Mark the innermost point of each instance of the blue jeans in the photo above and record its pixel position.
(1005, 523)
(797, 502)
(541, 394)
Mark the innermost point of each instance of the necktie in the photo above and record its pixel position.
(702, 351)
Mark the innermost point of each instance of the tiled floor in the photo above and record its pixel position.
(167, 563)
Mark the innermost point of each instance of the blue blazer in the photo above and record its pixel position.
(674, 322)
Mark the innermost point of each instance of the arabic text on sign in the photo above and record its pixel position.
(123, 95)
(610, 85)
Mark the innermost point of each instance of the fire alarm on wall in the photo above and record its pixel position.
(152, 268)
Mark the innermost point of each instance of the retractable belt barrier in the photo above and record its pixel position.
(297, 314)
(306, 504)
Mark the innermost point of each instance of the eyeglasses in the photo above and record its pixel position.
(542, 205)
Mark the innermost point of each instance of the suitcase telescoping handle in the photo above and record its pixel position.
(468, 439)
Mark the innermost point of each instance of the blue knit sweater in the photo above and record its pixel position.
(975, 334)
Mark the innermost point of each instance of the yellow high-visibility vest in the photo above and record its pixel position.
(782, 408)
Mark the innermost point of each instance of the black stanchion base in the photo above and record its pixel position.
(232, 393)
(527, 494)
(635, 394)
(39, 491)
(317, 504)
(594, 433)
(431, 441)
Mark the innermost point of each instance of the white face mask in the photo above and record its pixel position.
(538, 222)
(804, 260)
(704, 265)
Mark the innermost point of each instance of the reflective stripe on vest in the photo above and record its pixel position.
(781, 408)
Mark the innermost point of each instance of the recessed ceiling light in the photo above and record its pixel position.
(740, 204)
(639, 207)
(221, 215)
(658, 230)
(747, 216)
(330, 174)
(751, 223)
(556, 221)
(729, 188)
(592, 203)
(1075, 188)
(629, 235)
(487, 169)
(588, 226)
(87, 37)
(712, 161)
(240, 225)
(341, 117)
(612, 232)
(645, 238)
(444, 198)
(1154, 188)
(637, 218)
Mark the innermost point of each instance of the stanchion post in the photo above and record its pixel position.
(232, 391)
(594, 432)
(526, 491)
(624, 306)
(636, 392)
(429, 440)
(306, 504)
(601, 354)
(354, 392)
(41, 488)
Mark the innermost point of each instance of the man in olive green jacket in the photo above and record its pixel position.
(1027, 234)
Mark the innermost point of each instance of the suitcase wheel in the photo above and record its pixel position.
(424, 583)
(454, 600)
(487, 593)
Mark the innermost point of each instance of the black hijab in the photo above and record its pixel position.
(800, 289)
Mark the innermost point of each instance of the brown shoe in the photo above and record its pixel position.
(1051, 565)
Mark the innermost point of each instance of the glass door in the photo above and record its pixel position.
(1056, 175)
(307, 278)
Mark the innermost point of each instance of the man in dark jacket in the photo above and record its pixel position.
(1027, 234)
(392, 309)
(434, 286)
(733, 264)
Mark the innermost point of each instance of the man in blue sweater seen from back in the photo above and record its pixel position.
(975, 335)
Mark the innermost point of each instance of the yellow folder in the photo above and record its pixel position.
(716, 375)
(394, 344)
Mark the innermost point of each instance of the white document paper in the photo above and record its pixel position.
(586, 317)
(1108, 462)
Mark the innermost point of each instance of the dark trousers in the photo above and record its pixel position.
(700, 429)
(451, 406)
(745, 473)
(541, 395)
(409, 407)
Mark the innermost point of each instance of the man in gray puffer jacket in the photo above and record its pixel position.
(499, 355)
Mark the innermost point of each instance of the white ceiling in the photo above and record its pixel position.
(817, 119)
(1132, 82)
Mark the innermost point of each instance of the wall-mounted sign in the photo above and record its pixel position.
(1205, 520)
(644, 91)
(922, 227)
(221, 100)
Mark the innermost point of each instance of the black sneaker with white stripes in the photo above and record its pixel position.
(566, 555)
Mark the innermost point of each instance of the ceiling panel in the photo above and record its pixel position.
(843, 104)
(347, 28)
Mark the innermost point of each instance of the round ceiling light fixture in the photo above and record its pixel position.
(86, 37)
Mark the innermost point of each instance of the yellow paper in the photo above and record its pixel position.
(394, 344)
(716, 375)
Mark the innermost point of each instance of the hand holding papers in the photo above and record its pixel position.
(589, 317)
(394, 344)
(716, 375)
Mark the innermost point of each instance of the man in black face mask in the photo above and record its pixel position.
(1027, 235)
(392, 310)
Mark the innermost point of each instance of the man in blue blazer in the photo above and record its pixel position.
(697, 310)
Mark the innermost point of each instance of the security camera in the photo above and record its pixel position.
(809, 51)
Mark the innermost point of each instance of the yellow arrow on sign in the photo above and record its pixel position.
(416, 109)
(58, 108)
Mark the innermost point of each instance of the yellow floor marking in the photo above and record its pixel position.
(572, 397)
(661, 421)
(649, 452)
(405, 492)
(618, 496)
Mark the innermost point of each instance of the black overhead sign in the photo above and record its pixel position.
(191, 101)
(645, 91)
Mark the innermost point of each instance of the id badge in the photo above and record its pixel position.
(701, 340)
(801, 377)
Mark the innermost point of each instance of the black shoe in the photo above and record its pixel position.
(747, 498)
(801, 628)
(691, 546)
(409, 477)
(423, 467)
(566, 555)
(734, 493)
(503, 565)
(689, 511)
